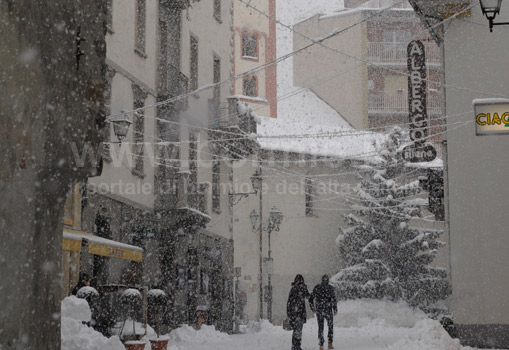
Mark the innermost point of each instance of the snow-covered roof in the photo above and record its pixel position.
(316, 139)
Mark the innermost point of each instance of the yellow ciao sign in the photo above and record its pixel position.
(491, 116)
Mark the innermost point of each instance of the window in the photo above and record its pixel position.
(139, 97)
(217, 77)
(181, 277)
(217, 10)
(250, 86)
(249, 45)
(140, 27)
(205, 283)
(216, 185)
(193, 67)
(309, 196)
(193, 157)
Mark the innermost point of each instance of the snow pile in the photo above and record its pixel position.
(427, 334)
(78, 336)
(263, 327)
(206, 334)
(370, 312)
(75, 308)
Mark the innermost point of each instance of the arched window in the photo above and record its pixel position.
(250, 88)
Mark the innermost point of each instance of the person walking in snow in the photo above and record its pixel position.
(296, 309)
(323, 302)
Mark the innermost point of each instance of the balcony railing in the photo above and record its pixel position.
(397, 102)
(177, 192)
(393, 52)
(173, 83)
(219, 113)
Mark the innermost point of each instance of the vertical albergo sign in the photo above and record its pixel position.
(417, 92)
(417, 106)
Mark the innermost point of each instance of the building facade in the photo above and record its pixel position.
(154, 191)
(367, 63)
(475, 167)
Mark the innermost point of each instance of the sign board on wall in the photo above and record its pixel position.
(419, 151)
(491, 116)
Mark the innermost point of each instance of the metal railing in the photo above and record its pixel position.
(173, 82)
(397, 102)
(219, 114)
(396, 52)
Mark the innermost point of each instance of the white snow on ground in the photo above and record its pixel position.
(359, 325)
(384, 325)
(78, 336)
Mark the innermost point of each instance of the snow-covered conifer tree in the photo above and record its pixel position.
(384, 255)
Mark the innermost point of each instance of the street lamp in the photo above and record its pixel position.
(256, 182)
(275, 219)
(121, 124)
(491, 8)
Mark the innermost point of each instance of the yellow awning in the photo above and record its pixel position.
(72, 240)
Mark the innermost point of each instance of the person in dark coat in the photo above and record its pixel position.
(323, 302)
(83, 282)
(296, 309)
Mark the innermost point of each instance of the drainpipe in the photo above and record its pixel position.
(445, 152)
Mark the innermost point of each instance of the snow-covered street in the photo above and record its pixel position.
(426, 334)
(359, 325)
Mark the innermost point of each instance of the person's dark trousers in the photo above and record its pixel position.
(297, 334)
(321, 316)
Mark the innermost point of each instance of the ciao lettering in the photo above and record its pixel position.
(491, 116)
(493, 119)
(417, 97)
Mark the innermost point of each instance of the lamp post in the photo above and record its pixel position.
(491, 8)
(275, 219)
(234, 198)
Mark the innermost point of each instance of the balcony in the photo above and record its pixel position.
(183, 201)
(174, 83)
(219, 113)
(396, 53)
(397, 102)
(232, 123)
